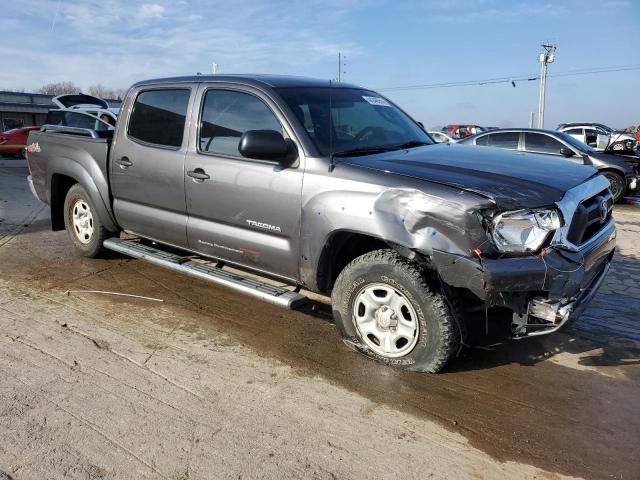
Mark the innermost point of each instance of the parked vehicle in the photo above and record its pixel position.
(599, 136)
(336, 190)
(12, 142)
(442, 137)
(624, 177)
(82, 111)
(462, 131)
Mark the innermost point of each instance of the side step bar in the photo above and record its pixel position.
(273, 294)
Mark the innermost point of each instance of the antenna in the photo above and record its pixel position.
(331, 164)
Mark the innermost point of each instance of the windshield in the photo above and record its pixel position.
(360, 120)
(577, 144)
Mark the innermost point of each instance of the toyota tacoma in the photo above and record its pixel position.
(332, 188)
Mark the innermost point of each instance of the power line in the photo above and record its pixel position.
(512, 79)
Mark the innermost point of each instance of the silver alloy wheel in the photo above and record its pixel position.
(82, 221)
(617, 147)
(386, 320)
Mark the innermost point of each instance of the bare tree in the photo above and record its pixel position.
(59, 88)
(101, 91)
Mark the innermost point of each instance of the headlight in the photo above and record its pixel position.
(524, 230)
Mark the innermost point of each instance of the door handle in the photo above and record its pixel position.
(199, 175)
(124, 162)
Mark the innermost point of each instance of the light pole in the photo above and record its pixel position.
(545, 58)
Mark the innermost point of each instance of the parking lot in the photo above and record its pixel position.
(186, 380)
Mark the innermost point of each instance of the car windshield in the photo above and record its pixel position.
(360, 121)
(577, 144)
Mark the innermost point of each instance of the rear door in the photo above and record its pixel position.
(247, 211)
(147, 163)
(506, 140)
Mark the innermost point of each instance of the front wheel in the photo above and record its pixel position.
(618, 185)
(384, 307)
(83, 224)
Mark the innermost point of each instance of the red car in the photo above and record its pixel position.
(12, 142)
(463, 131)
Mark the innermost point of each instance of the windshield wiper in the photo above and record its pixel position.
(365, 151)
(411, 144)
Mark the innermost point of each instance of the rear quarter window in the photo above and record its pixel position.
(159, 117)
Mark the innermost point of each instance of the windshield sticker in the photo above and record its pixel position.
(377, 101)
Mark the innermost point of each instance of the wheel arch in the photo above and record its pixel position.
(64, 174)
(343, 246)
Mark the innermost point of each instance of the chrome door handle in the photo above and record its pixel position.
(199, 175)
(124, 162)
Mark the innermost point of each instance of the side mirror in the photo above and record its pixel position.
(265, 145)
(567, 152)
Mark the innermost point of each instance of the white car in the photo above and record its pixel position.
(442, 137)
(599, 136)
(82, 111)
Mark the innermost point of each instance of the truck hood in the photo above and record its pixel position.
(513, 180)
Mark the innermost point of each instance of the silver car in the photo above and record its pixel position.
(599, 136)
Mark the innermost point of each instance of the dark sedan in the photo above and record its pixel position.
(624, 175)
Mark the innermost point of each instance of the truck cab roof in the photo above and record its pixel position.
(269, 80)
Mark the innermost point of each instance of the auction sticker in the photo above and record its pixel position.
(377, 101)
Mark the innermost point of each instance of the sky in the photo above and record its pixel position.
(387, 44)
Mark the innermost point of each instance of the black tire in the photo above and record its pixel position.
(618, 147)
(618, 185)
(438, 335)
(87, 245)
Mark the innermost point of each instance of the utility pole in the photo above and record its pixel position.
(545, 58)
(341, 65)
(530, 119)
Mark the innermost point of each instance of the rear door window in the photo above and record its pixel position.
(482, 140)
(539, 143)
(226, 115)
(159, 117)
(508, 140)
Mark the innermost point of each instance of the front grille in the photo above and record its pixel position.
(587, 220)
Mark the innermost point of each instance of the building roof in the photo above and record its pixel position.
(25, 102)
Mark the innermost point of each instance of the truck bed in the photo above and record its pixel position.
(64, 149)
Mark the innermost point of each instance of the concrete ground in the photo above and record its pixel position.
(199, 382)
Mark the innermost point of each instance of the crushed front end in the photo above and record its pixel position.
(551, 286)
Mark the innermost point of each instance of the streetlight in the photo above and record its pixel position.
(545, 58)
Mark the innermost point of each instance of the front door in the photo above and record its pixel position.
(147, 165)
(241, 210)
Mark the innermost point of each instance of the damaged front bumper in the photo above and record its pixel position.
(544, 317)
(543, 291)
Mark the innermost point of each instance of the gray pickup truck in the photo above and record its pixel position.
(331, 188)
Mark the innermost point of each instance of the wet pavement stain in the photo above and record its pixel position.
(508, 402)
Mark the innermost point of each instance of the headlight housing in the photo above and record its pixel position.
(524, 231)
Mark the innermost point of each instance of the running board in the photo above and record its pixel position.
(277, 295)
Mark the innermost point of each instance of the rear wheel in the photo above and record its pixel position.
(83, 223)
(384, 308)
(618, 185)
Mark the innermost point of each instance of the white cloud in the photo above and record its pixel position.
(151, 11)
(108, 43)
